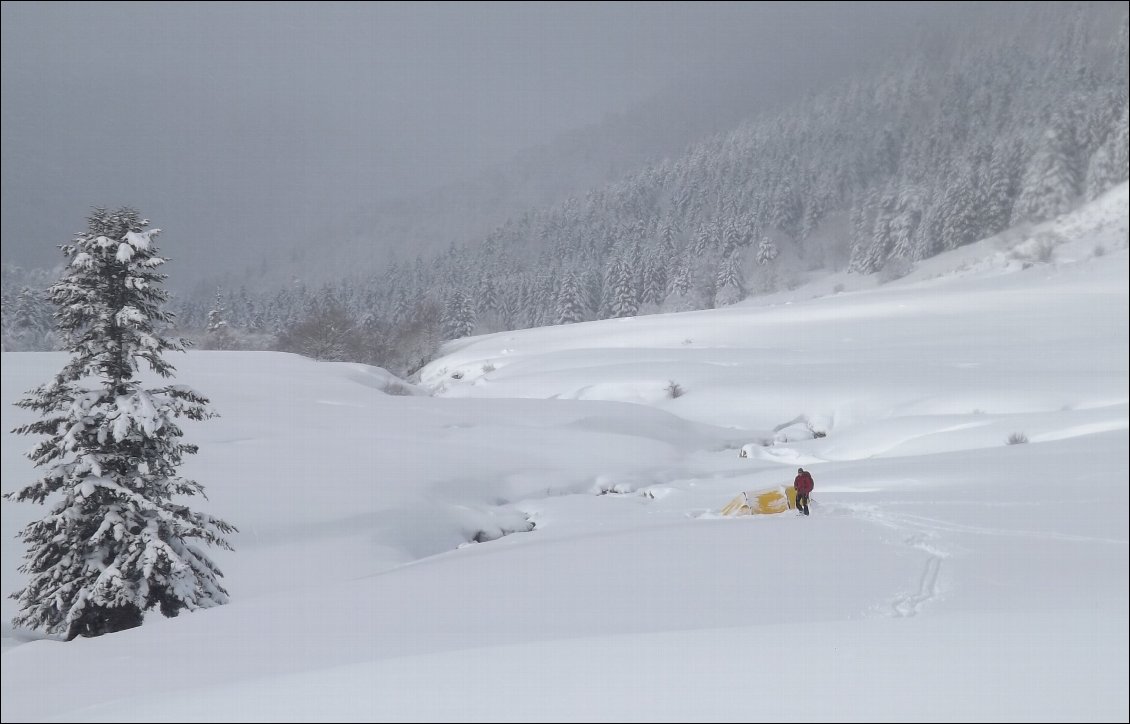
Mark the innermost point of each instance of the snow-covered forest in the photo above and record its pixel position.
(979, 129)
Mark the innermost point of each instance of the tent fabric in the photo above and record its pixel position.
(762, 502)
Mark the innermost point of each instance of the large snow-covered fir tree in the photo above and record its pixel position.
(115, 544)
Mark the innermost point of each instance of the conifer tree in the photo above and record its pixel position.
(766, 251)
(680, 287)
(458, 315)
(115, 543)
(1050, 182)
(219, 334)
(1109, 164)
(621, 299)
(570, 300)
(730, 284)
(766, 254)
(30, 322)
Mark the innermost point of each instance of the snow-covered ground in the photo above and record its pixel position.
(943, 574)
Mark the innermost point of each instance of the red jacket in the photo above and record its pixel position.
(803, 483)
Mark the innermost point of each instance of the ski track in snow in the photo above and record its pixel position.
(914, 535)
(910, 604)
(910, 521)
(921, 532)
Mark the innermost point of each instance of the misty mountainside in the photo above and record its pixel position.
(466, 212)
(976, 131)
(662, 124)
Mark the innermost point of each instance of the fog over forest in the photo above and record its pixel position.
(245, 129)
(363, 182)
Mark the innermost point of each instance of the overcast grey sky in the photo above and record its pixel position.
(236, 126)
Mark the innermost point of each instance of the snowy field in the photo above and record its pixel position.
(540, 539)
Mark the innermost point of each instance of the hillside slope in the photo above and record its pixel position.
(943, 574)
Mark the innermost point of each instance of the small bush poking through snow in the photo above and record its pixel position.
(1039, 249)
(488, 368)
(396, 389)
(895, 268)
(1044, 251)
(494, 533)
(674, 390)
(1017, 438)
(1099, 250)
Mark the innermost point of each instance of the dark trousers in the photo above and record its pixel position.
(802, 502)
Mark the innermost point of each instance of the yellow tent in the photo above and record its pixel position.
(758, 502)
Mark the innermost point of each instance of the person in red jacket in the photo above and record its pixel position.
(803, 485)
